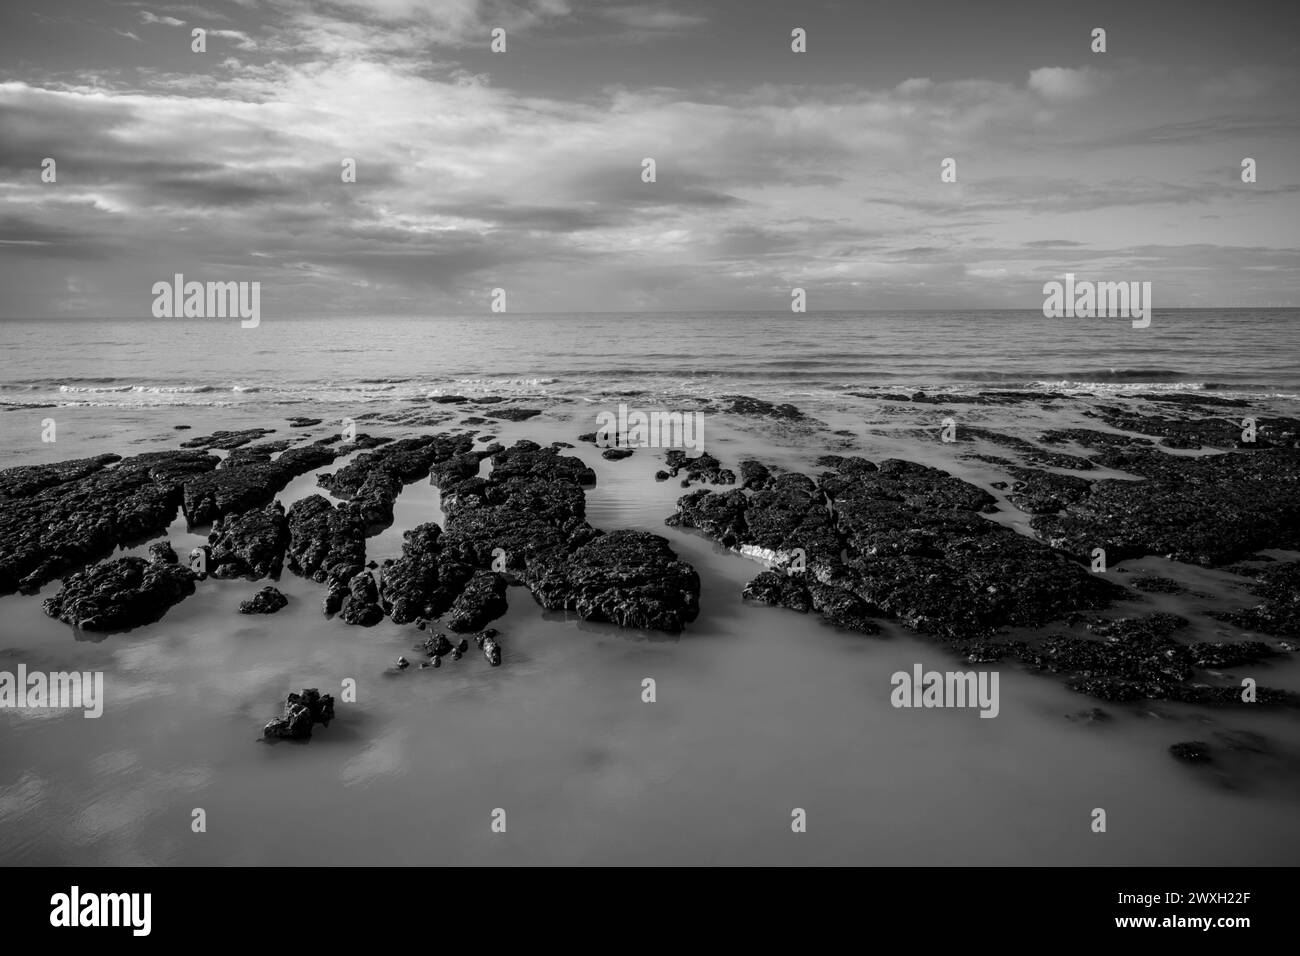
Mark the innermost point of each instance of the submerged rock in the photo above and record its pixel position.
(757, 407)
(1192, 751)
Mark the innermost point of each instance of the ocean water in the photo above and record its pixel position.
(759, 711)
(814, 356)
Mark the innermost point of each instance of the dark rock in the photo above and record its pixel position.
(1094, 716)
(251, 545)
(902, 540)
(1090, 438)
(163, 552)
(1206, 510)
(757, 407)
(1223, 654)
(628, 578)
(483, 599)
(1193, 751)
(437, 645)
(70, 514)
(1278, 586)
(754, 475)
(513, 414)
(326, 544)
(334, 599)
(299, 422)
(1045, 492)
(1153, 584)
(372, 482)
(488, 644)
(26, 480)
(301, 712)
(249, 483)
(779, 590)
(1194, 433)
(403, 663)
(120, 594)
(227, 440)
(362, 604)
(266, 601)
(616, 454)
(702, 468)
(408, 587)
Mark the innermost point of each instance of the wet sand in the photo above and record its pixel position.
(758, 711)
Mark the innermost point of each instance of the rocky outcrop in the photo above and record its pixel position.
(120, 594)
(326, 544)
(628, 578)
(1278, 613)
(27, 480)
(248, 481)
(266, 601)
(361, 605)
(901, 540)
(1201, 510)
(372, 482)
(527, 519)
(482, 599)
(73, 513)
(301, 713)
(251, 545)
(409, 585)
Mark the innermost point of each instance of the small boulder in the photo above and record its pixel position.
(266, 601)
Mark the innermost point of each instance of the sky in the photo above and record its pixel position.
(523, 170)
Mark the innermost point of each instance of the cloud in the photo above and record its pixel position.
(653, 19)
(148, 17)
(473, 172)
(1063, 84)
